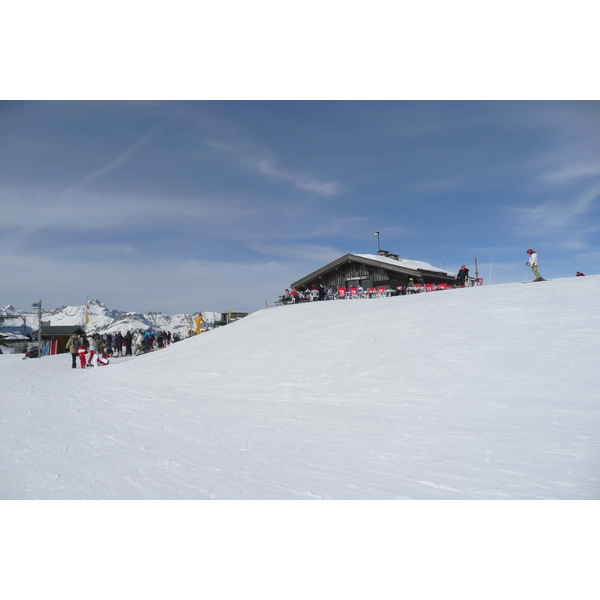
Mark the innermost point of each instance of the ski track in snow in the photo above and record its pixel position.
(484, 393)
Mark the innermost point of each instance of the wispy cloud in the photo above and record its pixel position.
(571, 173)
(127, 154)
(565, 220)
(300, 181)
(259, 162)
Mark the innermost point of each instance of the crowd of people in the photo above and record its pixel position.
(96, 349)
(318, 292)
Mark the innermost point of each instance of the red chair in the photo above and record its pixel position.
(428, 287)
(381, 291)
(341, 293)
(353, 292)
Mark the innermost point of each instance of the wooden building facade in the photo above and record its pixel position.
(54, 338)
(370, 270)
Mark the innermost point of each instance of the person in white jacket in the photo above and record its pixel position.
(533, 263)
(93, 358)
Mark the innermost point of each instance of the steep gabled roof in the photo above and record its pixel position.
(413, 268)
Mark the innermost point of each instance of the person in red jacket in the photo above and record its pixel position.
(580, 274)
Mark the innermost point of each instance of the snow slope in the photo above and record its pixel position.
(480, 393)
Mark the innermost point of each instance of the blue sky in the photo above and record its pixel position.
(181, 206)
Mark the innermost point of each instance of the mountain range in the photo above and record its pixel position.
(102, 320)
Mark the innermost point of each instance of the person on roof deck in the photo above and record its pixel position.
(462, 276)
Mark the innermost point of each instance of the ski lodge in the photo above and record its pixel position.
(374, 270)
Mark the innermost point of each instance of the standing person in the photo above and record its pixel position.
(93, 347)
(160, 340)
(108, 343)
(321, 291)
(72, 347)
(117, 345)
(533, 263)
(128, 341)
(462, 276)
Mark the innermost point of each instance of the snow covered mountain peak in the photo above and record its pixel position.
(94, 316)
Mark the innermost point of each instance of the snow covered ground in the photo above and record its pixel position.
(483, 393)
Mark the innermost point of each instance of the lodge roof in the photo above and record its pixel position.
(60, 330)
(414, 268)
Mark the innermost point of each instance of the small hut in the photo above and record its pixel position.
(54, 338)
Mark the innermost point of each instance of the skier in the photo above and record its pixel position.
(580, 274)
(533, 263)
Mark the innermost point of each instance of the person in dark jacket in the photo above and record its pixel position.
(128, 338)
(462, 276)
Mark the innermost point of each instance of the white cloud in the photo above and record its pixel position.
(300, 181)
(259, 161)
(571, 173)
(567, 221)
